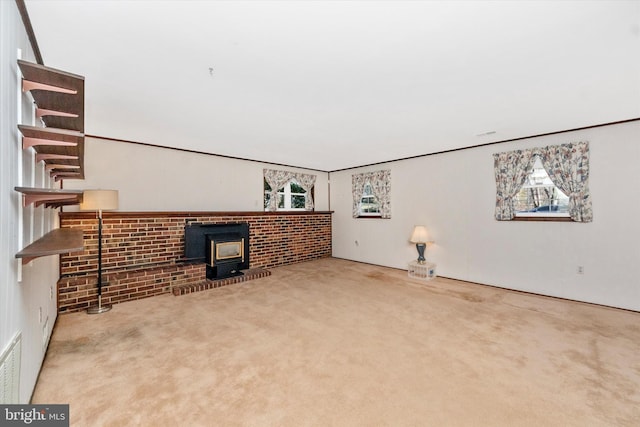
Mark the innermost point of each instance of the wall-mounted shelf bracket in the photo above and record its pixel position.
(40, 112)
(50, 166)
(28, 85)
(32, 142)
(42, 157)
(58, 176)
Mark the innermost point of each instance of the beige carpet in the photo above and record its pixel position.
(338, 343)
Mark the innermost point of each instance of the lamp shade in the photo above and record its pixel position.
(99, 200)
(419, 234)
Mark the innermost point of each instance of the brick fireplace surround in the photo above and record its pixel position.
(143, 252)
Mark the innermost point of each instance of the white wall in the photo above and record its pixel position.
(26, 305)
(453, 195)
(162, 179)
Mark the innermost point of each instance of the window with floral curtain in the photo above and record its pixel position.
(557, 174)
(371, 193)
(284, 190)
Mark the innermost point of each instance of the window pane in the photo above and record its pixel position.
(297, 202)
(267, 194)
(291, 196)
(295, 188)
(369, 205)
(539, 196)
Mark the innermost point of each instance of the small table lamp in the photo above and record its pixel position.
(99, 200)
(419, 237)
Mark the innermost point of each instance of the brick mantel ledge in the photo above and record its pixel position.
(153, 214)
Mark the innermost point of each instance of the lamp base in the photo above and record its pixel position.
(97, 309)
(420, 247)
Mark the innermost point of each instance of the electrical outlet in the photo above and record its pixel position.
(50, 292)
(39, 314)
(580, 269)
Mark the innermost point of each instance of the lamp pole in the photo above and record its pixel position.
(99, 308)
(99, 200)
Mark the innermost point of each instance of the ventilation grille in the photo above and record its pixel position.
(10, 372)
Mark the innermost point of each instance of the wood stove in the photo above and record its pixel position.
(224, 248)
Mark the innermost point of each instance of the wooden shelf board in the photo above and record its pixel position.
(49, 196)
(60, 241)
(55, 100)
(48, 191)
(54, 134)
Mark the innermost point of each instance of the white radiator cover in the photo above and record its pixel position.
(10, 372)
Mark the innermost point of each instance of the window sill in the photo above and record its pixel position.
(543, 218)
(289, 210)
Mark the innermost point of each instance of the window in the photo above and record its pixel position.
(369, 205)
(287, 191)
(291, 196)
(547, 182)
(371, 193)
(539, 196)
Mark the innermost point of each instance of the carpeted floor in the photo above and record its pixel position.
(338, 343)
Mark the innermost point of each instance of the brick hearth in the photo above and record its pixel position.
(254, 273)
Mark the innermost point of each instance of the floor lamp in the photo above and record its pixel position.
(99, 200)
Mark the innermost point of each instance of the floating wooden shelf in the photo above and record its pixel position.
(58, 146)
(60, 241)
(55, 90)
(52, 198)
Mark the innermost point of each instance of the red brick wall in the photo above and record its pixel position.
(143, 252)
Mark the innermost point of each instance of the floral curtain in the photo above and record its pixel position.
(567, 166)
(381, 186)
(511, 169)
(358, 182)
(278, 178)
(307, 182)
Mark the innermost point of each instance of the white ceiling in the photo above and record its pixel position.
(329, 85)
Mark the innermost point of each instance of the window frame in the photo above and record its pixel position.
(541, 216)
(361, 214)
(287, 194)
(568, 163)
(379, 180)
